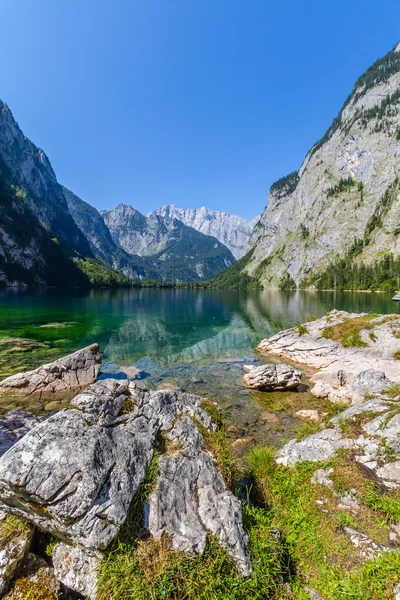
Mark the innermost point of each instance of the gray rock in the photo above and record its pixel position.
(338, 364)
(369, 382)
(13, 548)
(14, 426)
(272, 377)
(316, 447)
(390, 474)
(321, 476)
(76, 569)
(387, 428)
(313, 594)
(191, 499)
(376, 406)
(75, 474)
(397, 592)
(72, 372)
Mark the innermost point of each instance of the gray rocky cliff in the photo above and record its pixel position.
(231, 230)
(24, 164)
(346, 190)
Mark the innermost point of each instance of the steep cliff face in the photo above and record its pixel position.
(24, 164)
(231, 230)
(170, 248)
(344, 200)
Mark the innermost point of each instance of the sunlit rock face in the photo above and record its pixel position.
(231, 230)
(174, 250)
(314, 215)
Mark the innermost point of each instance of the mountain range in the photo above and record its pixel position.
(231, 230)
(333, 223)
(50, 236)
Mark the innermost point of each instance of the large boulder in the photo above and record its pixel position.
(191, 499)
(376, 347)
(70, 373)
(75, 474)
(268, 378)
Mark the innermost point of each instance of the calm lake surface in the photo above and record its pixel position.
(195, 340)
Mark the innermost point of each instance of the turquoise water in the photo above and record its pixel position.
(195, 340)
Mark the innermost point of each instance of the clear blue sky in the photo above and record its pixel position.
(191, 102)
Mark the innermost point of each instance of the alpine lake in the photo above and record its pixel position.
(193, 340)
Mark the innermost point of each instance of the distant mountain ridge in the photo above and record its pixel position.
(177, 252)
(231, 230)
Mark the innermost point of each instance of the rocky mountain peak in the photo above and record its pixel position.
(231, 230)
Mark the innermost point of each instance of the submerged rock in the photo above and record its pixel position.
(272, 377)
(72, 372)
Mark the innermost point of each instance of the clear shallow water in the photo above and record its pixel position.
(195, 340)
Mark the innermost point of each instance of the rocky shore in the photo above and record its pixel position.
(125, 471)
(74, 475)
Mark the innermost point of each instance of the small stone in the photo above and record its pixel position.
(232, 429)
(321, 477)
(348, 501)
(271, 418)
(309, 415)
(239, 443)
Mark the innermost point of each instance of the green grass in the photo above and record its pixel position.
(301, 329)
(393, 390)
(348, 332)
(320, 551)
(145, 569)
